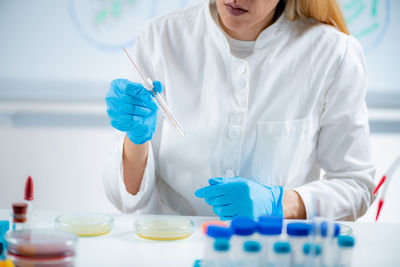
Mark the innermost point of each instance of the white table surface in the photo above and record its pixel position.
(377, 244)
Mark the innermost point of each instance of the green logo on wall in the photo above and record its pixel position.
(367, 20)
(110, 24)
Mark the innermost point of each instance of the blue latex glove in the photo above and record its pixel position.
(132, 110)
(231, 197)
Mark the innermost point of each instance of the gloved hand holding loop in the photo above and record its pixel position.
(132, 110)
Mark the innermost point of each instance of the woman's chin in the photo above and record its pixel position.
(232, 24)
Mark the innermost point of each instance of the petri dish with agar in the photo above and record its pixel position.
(85, 224)
(41, 243)
(164, 228)
(23, 261)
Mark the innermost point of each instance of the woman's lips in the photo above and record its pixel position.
(235, 10)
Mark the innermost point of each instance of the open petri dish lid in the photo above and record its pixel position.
(164, 228)
(41, 243)
(85, 224)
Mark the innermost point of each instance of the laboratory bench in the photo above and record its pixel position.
(377, 244)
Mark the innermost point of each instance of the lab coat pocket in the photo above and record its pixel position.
(282, 148)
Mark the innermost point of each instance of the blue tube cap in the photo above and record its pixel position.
(221, 245)
(346, 241)
(243, 226)
(251, 246)
(299, 229)
(198, 263)
(324, 229)
(269, 228)
(4, 227)
(217, 231)
(282, 247)
(270, 219)
(312, 248)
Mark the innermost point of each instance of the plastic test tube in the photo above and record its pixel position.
(148, 84)
(345, 251)
(282, 257)
(220, 255)
(214, 233)
(243, 229)
(252, 253)
(328, 233)
(298, 233)
(314, 251)
(269, 234)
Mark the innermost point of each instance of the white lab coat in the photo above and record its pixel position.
(294, 106)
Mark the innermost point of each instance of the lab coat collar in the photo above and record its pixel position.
(214, 29)
(264, 38)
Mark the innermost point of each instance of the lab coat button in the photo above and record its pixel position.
(240, 84)
(235, 119)
(241, 69)
(229, 173)
(234, 134)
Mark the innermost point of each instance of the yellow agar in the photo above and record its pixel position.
(85, 231)
(164, 238)
(164, 228)
(86, 235)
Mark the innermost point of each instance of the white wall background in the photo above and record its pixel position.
(65, 164)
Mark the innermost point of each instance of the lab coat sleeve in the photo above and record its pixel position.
(113, 180)
(343, 149)
(113, 177)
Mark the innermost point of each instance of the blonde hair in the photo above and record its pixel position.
(324, 11)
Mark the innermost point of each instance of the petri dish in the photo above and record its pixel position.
(164, 228)
(63, 261)
(41, 243)
(85, 224)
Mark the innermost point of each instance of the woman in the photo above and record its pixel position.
(269, 92)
